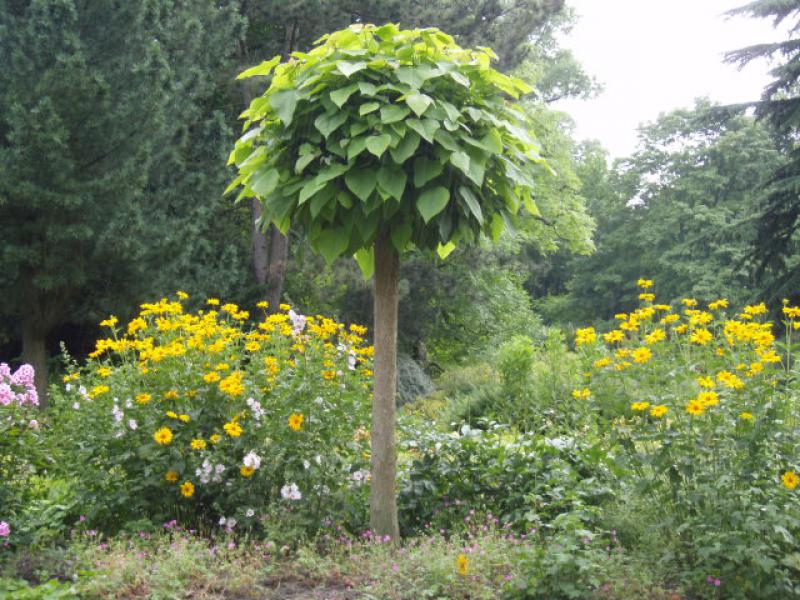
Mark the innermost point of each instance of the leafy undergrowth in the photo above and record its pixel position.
(482, 563)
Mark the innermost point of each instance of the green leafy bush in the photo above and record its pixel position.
(197, 417)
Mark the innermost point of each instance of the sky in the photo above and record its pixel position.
(653, 56)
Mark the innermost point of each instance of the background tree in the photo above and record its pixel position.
(377, 140)
(777, 243)
(102, 115)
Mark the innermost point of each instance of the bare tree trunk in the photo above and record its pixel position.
(276, 270)
(260, 250)
(383, 501)
(34, 353)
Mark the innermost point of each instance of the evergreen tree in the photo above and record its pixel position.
(101, 112)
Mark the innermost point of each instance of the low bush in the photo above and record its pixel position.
(199, 417)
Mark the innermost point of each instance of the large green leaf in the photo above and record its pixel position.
(401, 235)
(460, 160)
(366, 261)
(311, 187)
(303, 162)
(347, 68)
(426, 169)
(328, 123)
(356, 147)
(369, 107)
(332, 243)
(418, 102)
(393, 113)
(262, 70)
(406, 148)
(392, 180)
(283, 102)
(265, 183)
(472, 203)
(361, 182)
(377, 144)
(331, 172)
(340, 96)
(425, 127)
(432, 201)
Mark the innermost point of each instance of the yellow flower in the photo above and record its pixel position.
(104, 372)
(136, 324)
(462, 565)
(746, 416)
(109, 322)
(602, 362)
(708, 399)
(172, 414)
(246, 471)
(644, 283)
(284, 306)
(581, 394)
(681, 328)
(99, 390)
(642, 355)
(296, 421)
(790, 480)
(198, 444)
(263, 304)
(181, 295)
(143, 398)
(72, 377)
(718, 304)
(706, 382)
(670, 319)
(184, 418)
(755, 309)
(640, 406)
(729, 380)
(329, 375)
(252, 346)
(659, 411)
(171, 476)
(655, 336)
(585, 336)
(211, 377)
(614, 336)
(689, 302)
(232, 385)
(664, 307)
(358, 329)
(163, 436)
(695, 407)
(233, 429)
(187, 489)
(647, 297)
(701, 336)
(212, 302)
(215, 438)
(171, 394)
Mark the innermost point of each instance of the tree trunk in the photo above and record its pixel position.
(383, 502)
(260, 251)
(34, 353)
(276, 270)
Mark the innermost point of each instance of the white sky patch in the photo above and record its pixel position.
(653, 56)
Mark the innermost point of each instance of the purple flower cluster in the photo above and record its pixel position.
(17, 387)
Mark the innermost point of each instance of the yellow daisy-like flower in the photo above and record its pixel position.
(296, 421)
(614, 336)
(143, 398)
(644, 283)
(171, 394)
(601, 362)
(706, 382)
(99, 390)
(198, 444)
(215, 438)
(233, 429)
(586, 335)
(689, 302)
(109, 322)
(104, 372)
(790, 480)
(462, 565)
(171, 414)
(718, 304)
(252, 346)
(211, 377)
(708, 398)
(581, 394)
(659, 411)
(263, 304)
(212, 302)
(329, 375)
(640, 406)
(695, 407)
(642, 355)
(163, 436)
(187, 489)
(181, 295)
(184, 418)
(701, 336)
(171, 476)
(746, 416)
(657, 335)
(647, 297)
(246, 471)
(136, 324)
(284, 306)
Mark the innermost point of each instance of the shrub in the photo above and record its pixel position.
(199, 417)
(703, 402)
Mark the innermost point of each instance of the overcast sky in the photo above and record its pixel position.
(656, 55)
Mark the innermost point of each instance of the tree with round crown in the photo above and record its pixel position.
(377, 141)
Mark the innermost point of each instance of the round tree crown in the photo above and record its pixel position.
(379, 129)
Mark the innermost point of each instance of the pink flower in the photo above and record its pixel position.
(5, 529)
(6, 394)
(23, 376)
(5, 372)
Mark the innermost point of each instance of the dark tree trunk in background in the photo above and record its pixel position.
(383, 502)
(276, 270)
(260, 249)
(34, 353)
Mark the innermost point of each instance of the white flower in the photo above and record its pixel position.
(249, 513)
(76, 406)
(306, 464)
(291, 492)
(351, 360)
(318, 400)
(298, 322)
(68, 387)
(222, 521)
(133, 424)
(118, 414)
(219, 469)
(231, 523)
(128, 403)
(252, 460)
